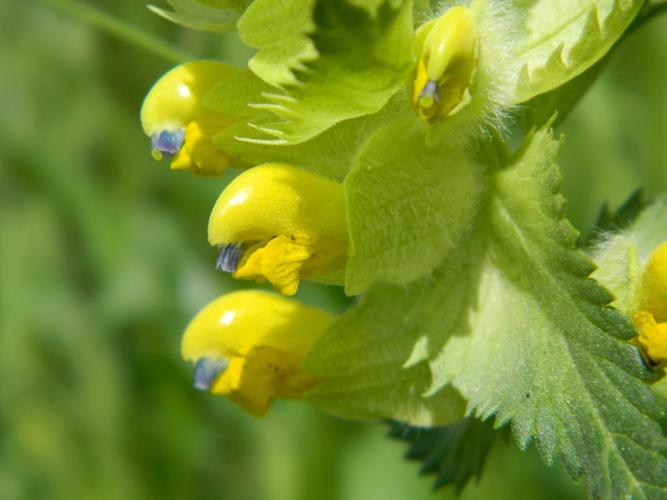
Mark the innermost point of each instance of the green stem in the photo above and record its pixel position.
(122, 30)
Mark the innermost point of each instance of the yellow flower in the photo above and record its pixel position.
(278, 223)
(652, 292)
(179, 125)
(447, 58)
(249, 346)
(651, 304)
(652, 337)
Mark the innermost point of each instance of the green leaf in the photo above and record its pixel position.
(280, 31)
(370, 365)
(543, 350)
(330, 154)
(331, 60)
(618, 270)
(623, 217)
(513, 321)
(408, 205)
(562, 39)
(210, 15)
(455, 453)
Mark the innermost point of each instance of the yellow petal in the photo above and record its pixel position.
(176, 98)
(199, 155)
(264, 337)
(652, 337)
(256, 376)
(279, 262)
(421, 79)
(245, 318)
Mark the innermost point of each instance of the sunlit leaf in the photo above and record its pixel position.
(513, 321)
(564, 38)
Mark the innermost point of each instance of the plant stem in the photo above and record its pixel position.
(121, 29)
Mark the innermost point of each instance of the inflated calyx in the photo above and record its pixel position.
(278, 223)
(249, 346)
(651, 306)
(180, 126)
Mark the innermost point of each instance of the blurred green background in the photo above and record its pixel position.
(103, 260)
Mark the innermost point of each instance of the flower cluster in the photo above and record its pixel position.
(279, 221)
(273, 223)
(373, 138)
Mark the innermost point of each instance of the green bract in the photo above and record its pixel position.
(331, 60)
(403, 225)
(211, 15)
(562, 39)
(454, 453)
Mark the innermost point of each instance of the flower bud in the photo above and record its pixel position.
(179, 125)
(652, 290)
(249, 346)
(652, 337)
(279, 223)
(447, 58)
(651, 304)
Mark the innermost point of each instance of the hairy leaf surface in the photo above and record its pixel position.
(364, 361)
(408, 205)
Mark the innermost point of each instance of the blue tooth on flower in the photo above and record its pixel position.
(166, 143)
(206, 371)
(429, 96)
(229, 257)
